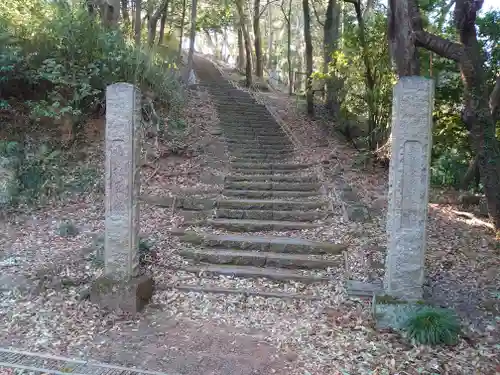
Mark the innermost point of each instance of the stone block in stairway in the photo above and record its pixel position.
(270, 215)
(257, 225)
(262, 243)
(256, 272)
(272, 178)
(267, 204)
(262, 194)
(279, 166)
(285, 186)
(262, 259)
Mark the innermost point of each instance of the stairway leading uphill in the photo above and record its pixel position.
(263, 192)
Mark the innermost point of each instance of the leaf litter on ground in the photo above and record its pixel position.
(45, 275)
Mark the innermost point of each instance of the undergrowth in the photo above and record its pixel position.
(56, 61)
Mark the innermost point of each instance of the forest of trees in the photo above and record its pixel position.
(354, 49)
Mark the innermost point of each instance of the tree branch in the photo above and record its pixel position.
(441, 46)
(265, 7)
(316, 14)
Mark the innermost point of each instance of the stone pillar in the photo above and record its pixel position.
(122, 287)
(409, 187)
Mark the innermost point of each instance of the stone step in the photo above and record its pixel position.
(259, 158)
(261, 259)
(251, 152)
(259, 148)
(237, 225)
(263, 194)
(250, 130)
(271, 177)
(259, 138)
(275, 205)
(291, 245)
(269, 215)
(214, 289)
(270, 166)
(280, 143)
(256, 272)
(283, 186)
(262, 172)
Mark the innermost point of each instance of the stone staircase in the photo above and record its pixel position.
(263, 192)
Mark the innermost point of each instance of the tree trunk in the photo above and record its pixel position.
(270, 63)
(163, 21)
(369, 79)
(182, 27)
(309, 57)
(330, 45)
(259, 69)
(125, 13)
(137, 22)
(401, 40)
(241, 50)
(192, 35)
(248, 43)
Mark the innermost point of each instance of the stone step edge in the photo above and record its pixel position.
(198, 238)
(251, 272)
(241, 223)
(288, 261)
(246, 292)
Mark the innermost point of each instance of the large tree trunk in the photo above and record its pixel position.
(241, 50)
(163, 22)
(270, 62)
(259, 68)
(182, 27)
(153, 22)
(192, 36)
(477, 114)
(287, 14)
(125, 13)
(330, 45)
(248, 42)
(137, 22)
(309, 57)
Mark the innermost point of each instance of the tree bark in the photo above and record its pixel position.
(287, 14)
(137, 22)
(125, 13)
(270, 62)
(192, 36)
(183, 17)
(259, 68)
(163, 21)
(241, 50)
(153, 22)
(309, 57)
(248, 43)
(330, 45)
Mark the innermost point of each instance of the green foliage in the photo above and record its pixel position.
(67, 229)
(42, 173)
(72, 58)
(348, 66)
(433, 326)
(449, 168)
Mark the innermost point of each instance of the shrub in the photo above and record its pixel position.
(71, 58)
(433, 326)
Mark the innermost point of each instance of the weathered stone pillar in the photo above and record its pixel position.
(122, 287)
(408, 187)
